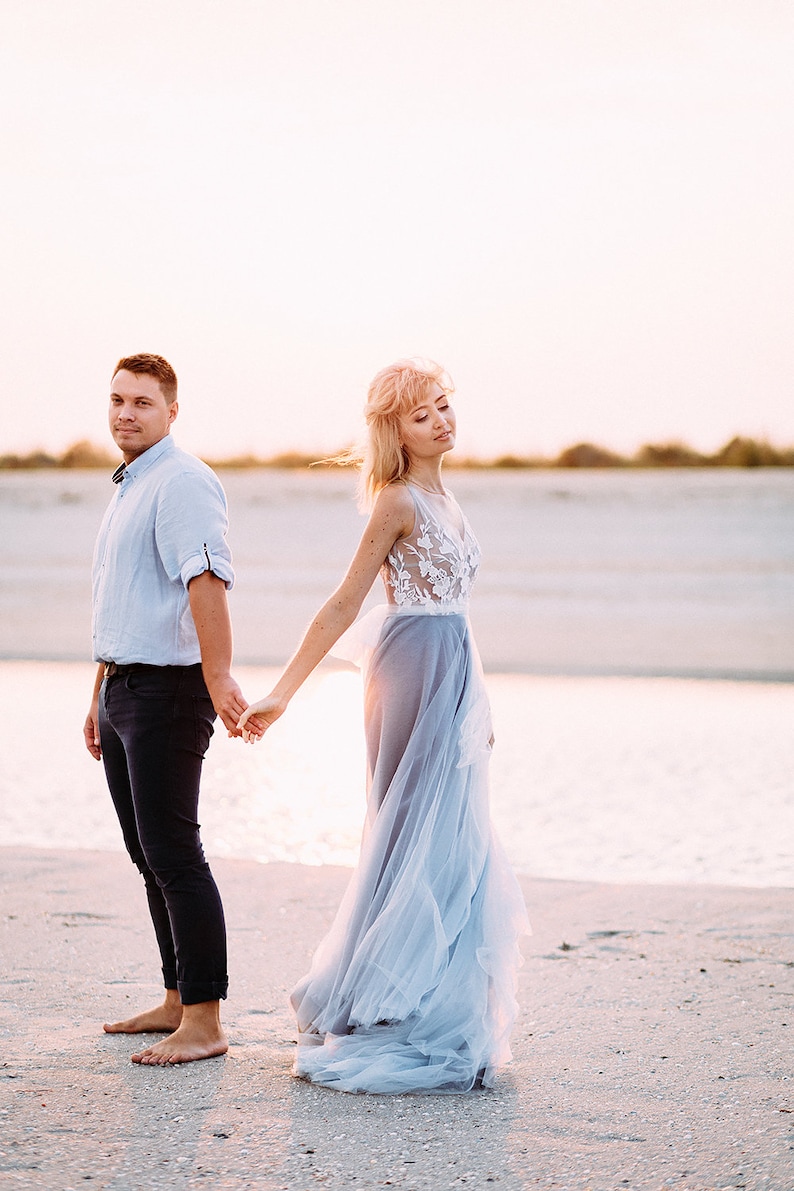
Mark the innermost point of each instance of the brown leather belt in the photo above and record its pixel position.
(112, 668)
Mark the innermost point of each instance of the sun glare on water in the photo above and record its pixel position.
(279, 791)
(606, 779)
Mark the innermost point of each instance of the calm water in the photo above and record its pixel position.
(601, 596)
(609, 779)
(646, 573)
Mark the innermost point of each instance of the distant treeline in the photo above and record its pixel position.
(738, 452)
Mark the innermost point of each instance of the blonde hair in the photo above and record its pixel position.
(394, 392)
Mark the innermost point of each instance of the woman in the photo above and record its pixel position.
(413, 989)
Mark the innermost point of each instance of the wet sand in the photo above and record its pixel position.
(653, 1048)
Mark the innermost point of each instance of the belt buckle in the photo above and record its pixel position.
(110, 669)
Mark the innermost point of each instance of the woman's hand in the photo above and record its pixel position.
(257, 718)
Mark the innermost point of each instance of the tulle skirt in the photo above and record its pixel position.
(413, 988)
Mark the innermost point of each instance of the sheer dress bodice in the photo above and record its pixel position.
(434, 567)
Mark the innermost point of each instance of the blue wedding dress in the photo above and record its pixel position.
(413, 988)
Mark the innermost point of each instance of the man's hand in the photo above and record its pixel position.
(91, 725)
(228, 701)
(91, 733)
(211, 617)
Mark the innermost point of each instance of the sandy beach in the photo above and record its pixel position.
(685, 573)
(641, 784)
(652, 1048)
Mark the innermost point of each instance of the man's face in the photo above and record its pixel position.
(139, 413)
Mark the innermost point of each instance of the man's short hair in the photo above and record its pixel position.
(147, 364)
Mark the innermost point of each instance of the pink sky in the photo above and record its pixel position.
(582, 209)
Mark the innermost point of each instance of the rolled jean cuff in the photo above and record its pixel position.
(169, 979)
(194, 994)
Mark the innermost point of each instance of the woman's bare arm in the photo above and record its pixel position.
(392, 518)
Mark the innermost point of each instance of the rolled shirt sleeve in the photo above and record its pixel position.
(191, 526)
(197, 564)
(165, 525)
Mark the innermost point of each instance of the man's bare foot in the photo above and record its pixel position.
(162, 1020)
(199, 1036)
(154, 1021)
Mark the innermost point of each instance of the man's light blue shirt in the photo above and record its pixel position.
(165, 524)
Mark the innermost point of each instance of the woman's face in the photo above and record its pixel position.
(428, 430)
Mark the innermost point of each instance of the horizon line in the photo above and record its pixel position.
(738, 451)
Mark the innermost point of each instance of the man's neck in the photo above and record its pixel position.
(128, 459)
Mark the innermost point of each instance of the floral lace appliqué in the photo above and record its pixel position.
(434, 565)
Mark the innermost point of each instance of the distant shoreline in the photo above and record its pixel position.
(737, 452)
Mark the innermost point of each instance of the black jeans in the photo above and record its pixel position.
(155, 724)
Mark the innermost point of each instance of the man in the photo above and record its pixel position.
(162, 637)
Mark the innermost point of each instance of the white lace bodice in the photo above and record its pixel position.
(435, 566)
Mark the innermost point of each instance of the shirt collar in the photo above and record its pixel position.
(141, 464)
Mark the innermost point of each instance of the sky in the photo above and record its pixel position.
(581, 208)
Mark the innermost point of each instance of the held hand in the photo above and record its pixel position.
(259, 717)
(91, 734)
(228, 701)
